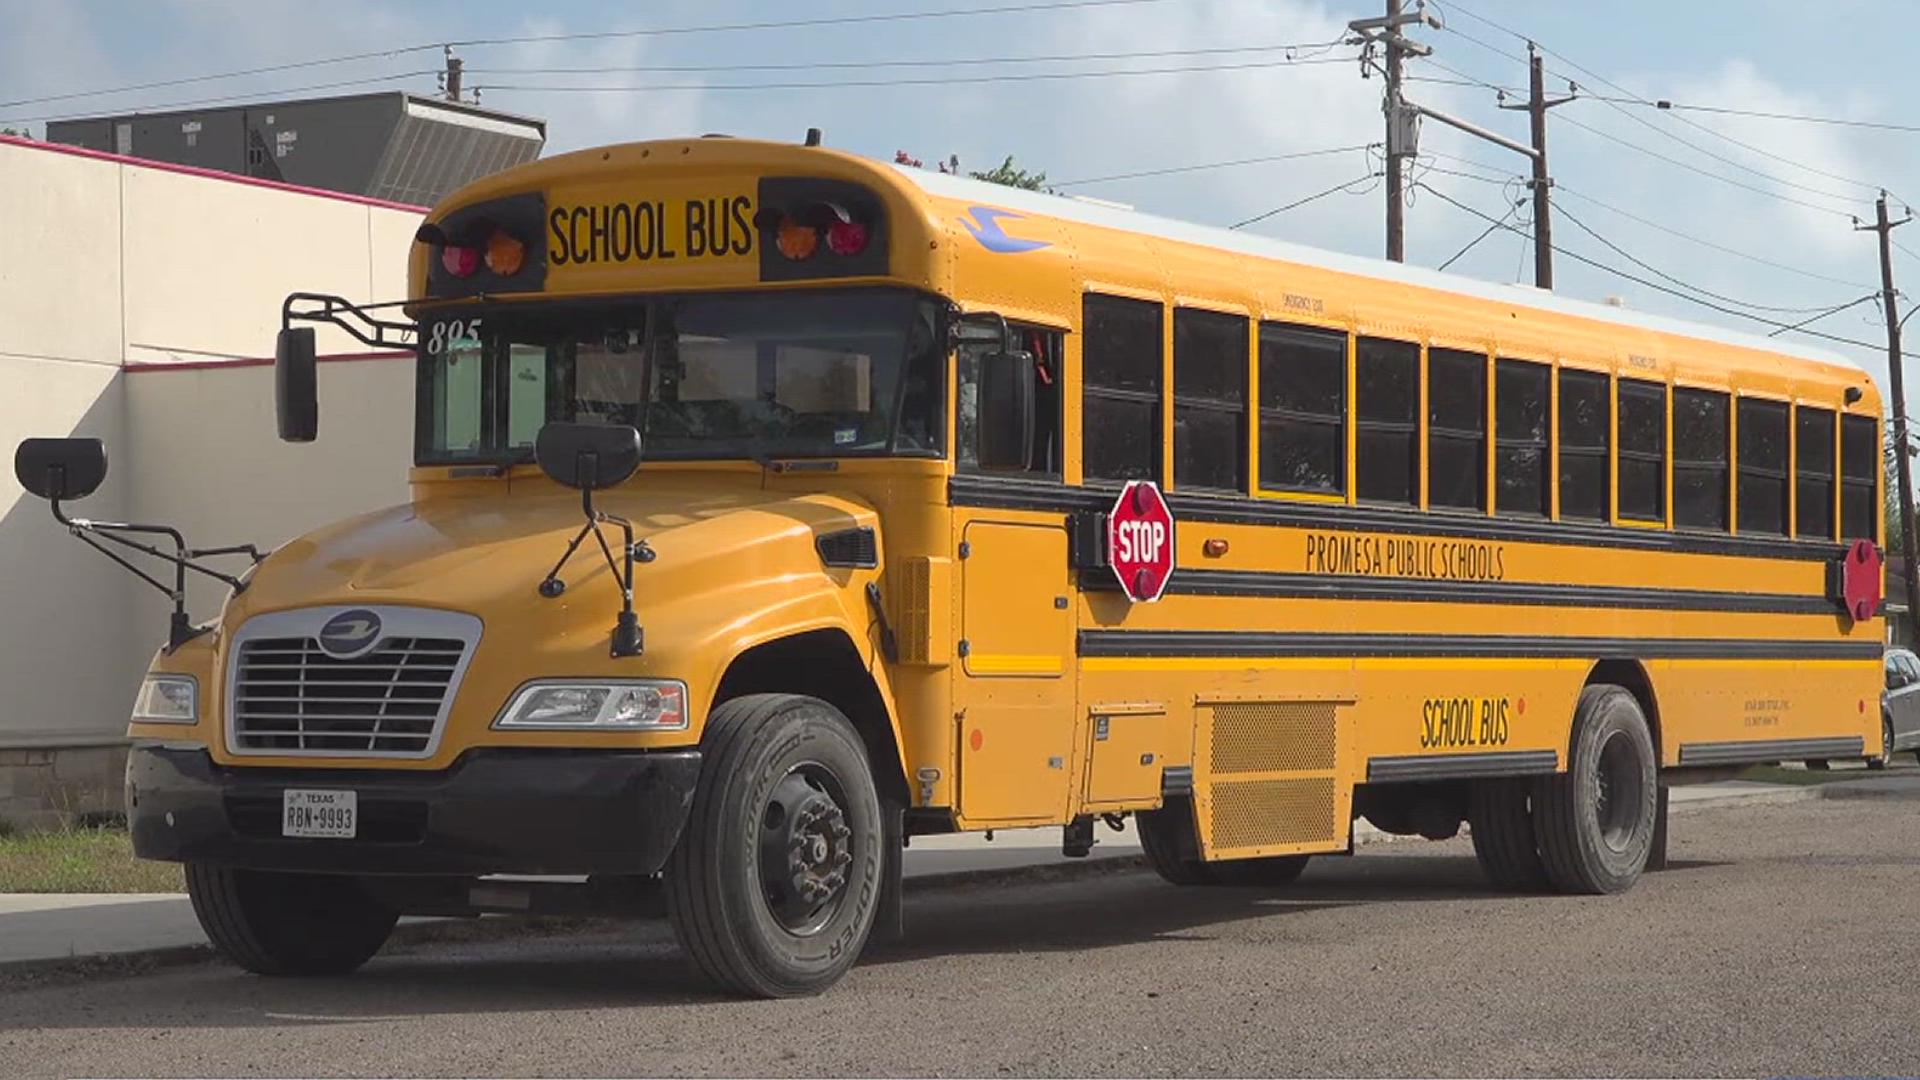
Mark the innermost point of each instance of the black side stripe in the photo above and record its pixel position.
(1260, 643)
(1006, 493)
(1461, 766)
(1187, 582)
(1736, 753)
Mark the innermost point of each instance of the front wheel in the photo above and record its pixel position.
(1595, 821)
(1886, 745)
(274, 923)
(775, 882)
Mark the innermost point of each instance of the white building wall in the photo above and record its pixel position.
(105, 262)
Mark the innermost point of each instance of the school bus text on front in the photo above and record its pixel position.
(771, 506)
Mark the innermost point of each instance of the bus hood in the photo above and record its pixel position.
(488, 553)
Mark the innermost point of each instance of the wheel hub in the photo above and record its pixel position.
(806, 846)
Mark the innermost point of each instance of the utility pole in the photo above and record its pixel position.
(454, 66)
(1541, 184)
(1895, 377)
(1403, 122)
(1396, 148)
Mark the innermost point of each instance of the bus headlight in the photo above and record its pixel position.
(611, 705)
(167, 699)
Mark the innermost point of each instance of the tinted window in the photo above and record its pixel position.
(1859, 469)
(1700, 436)
(1457, 429)
(1387, 458)
(1763, 467)
(1643, 450)
(1521, 458)
(1120, 402)
(1303, 409)
(1209, 400)
(1586, 435)
(1044, 346)
(1813, 473)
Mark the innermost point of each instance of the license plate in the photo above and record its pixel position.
(325, 815)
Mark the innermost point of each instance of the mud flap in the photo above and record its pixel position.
(1657, 853)
(890, 918)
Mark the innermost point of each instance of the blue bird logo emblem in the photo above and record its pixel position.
(984, 225)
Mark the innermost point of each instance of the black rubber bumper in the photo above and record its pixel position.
(495, 811)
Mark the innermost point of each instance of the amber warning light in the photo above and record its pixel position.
(482, 243)
(799, 232)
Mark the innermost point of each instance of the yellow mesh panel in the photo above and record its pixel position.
(914, 625)
(1273, 736)
(1248, 813)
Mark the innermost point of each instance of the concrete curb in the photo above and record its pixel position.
(1123, 858)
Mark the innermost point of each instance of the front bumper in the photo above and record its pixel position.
(494, 811)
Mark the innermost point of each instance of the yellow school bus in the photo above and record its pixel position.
(761, 518)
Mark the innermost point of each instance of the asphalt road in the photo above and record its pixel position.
(1782, 942)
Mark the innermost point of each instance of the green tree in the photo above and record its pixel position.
(21, 133)
(1012, 176)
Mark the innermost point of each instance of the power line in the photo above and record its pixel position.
(1737, 253)
(1336, 189)
(1004, 9)
(1638, 100)
(1762, 114)
(1212, 165)
(1658, 287)
(794, 24)
(945, 80)
(1834, 310)
(1644, 265)
(1690, 167)
(812, 65)
(1489, 231)
(371, 80)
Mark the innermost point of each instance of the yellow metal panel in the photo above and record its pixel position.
(1268, 777)
(1017, 623)
(1126, 755)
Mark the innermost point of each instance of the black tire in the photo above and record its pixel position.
(1886, 745)
(1173, 850)
(757, 890)
(1268, 870)
(1500, 818)
(1167, 838)
(1595, 821)
(1817, 764)
(274, 923)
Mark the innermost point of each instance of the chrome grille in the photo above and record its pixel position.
(289, 696)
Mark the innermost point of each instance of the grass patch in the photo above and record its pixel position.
(80, 861)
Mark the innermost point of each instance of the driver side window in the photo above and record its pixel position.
(1045, 348)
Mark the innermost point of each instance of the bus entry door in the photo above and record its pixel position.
(1014, 699)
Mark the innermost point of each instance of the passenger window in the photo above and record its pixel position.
(1044, 346)
(1120, 402)
(1763, 467)
(1859, 469)
(1303, 409)
(1700, 438)
(1586, 437)
(1813, 473)
(1521, 454)
(1643, 451)
(1456, 429)
(1387, 431)
(1209, 400)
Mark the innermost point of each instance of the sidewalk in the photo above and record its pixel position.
(41, 928)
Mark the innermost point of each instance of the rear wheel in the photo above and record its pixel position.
(1817, 764)
(273, 923)
(1172, 848)
(1595, 821)
(1500, 818)
(1886, 745)
(774, 885)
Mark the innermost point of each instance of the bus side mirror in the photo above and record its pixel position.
(587, 457)
(1006, 410)
(60, 468)
(296, 395)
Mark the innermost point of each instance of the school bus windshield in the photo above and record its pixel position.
(819, 373)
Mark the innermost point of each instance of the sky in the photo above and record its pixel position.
(1754, 215)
